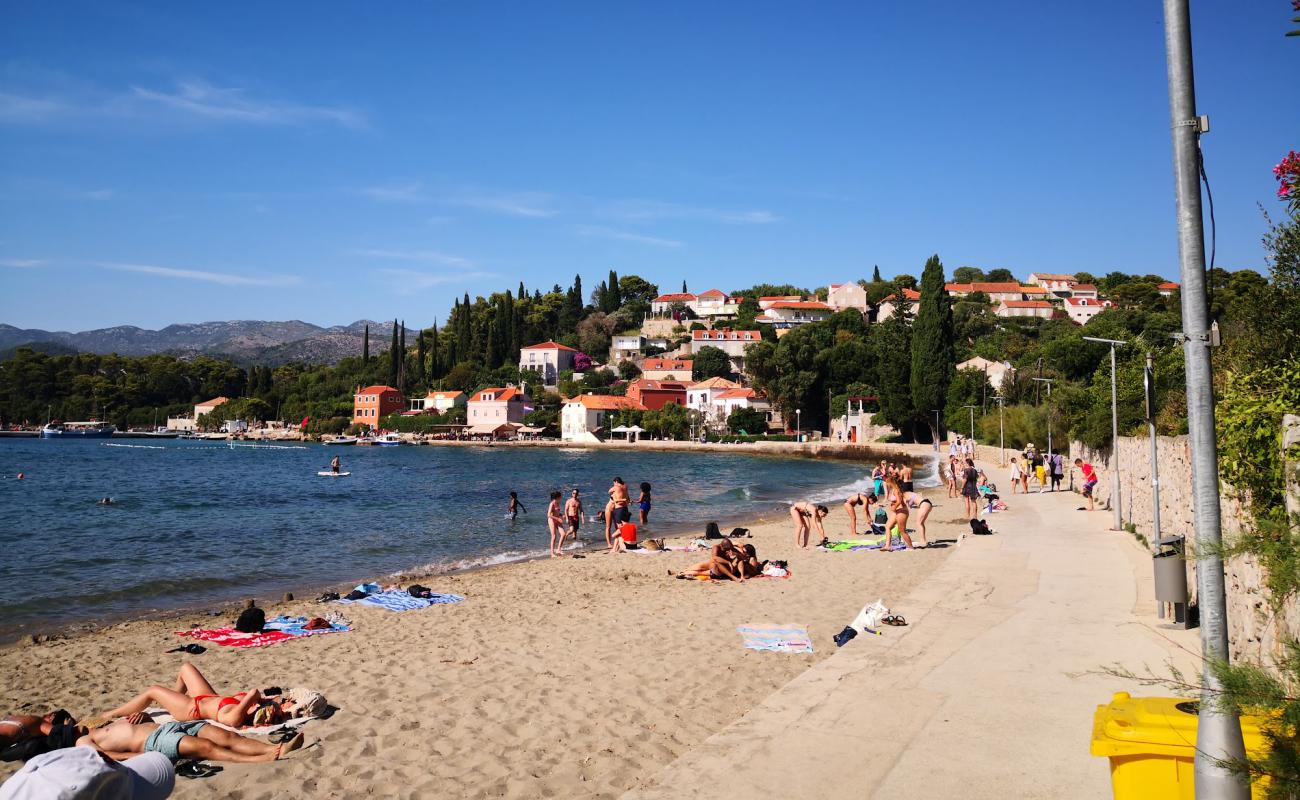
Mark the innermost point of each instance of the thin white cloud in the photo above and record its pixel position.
(422, 256)
(410, 281)
(220, 278)
(191, 99)
(21, 263)
(410, 192)
(97, 194)
(598, 232)
(535, 205)
(646, 210)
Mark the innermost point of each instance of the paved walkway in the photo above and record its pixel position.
(989, 693)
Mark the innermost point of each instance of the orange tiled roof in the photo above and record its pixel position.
(716, 383)
(1026, 304)
(675, 297)
(812, 305)
(501, 395)
(606, 402)
(377, 390)
(549, 346)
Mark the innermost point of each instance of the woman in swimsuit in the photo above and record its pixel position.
(952, 477)
(1015, 475)
(897, 505)
(193, 698)
(805, 514)
(923, 510)
(555, 523)
(850, 505)
(722, 564)
(970, 490)
(878, 479)
(905, 478)
(643, 502)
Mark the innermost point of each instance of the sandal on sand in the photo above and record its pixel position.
(282, 734)
(196, 769)
(895, 620)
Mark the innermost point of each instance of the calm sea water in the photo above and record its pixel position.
(197, 522)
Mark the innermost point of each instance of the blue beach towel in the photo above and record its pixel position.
(294, 626)
(402, 601)
(776, 638)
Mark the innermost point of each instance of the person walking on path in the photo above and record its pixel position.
(970, 491)
(1016, 475)
(1056, 466)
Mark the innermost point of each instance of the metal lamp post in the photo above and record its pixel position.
(1114, 430)
(798, 425)
(1002, 441)
(936, 429)
(1048, 381)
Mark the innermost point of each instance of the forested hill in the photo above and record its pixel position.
(243, 341)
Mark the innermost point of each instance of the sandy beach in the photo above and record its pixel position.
(557, 678)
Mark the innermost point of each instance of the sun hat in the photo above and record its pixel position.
(81, 773)
(306, 702)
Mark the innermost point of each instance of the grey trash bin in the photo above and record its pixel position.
(1170, 569)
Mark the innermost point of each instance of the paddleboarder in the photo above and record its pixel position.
(335, 464)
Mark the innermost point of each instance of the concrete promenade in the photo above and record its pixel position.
(989, 693)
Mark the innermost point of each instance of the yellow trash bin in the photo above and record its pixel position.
(1151, 744)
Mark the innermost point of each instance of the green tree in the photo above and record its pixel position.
(999, 275)
(710, 362)
(393, 358)
(933, 355)
(747, 420)
(633, 288)
(964, 275)
(875, 275)
(670, 422)
(365, 346)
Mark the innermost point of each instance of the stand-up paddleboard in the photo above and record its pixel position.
(329, 474)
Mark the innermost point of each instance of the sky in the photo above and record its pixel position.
(184, 162)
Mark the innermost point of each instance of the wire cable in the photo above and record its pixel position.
(1214, 233)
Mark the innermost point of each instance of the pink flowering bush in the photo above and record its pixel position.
(1287, 173)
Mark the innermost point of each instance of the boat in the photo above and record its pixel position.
(77, 430)
(388, 440)
(341, 440)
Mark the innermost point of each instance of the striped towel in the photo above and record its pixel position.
(402, 601)
(776, 638)
(294, 626)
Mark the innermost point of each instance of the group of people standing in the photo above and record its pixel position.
(564, 517)
(1042, 467)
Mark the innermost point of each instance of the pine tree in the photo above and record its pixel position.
(934, 356)
(392, 358)
(875, 275)
(365, 347)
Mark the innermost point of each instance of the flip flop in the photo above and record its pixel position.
(281, 735)
(192, 649)
(197, 769)
(894, 619)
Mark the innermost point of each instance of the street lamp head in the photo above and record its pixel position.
(1111, 342)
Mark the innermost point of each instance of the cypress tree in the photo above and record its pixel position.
(934, 356)
(419, 357)
(683, 287)
(392, 357)
(613, 295)
(875, 275)
(435, 371)
(365, 347)
(522, 294)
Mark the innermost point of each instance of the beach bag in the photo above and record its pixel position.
(416, 590)
(251, 620)
(712, 531)
(653, 544)
(980, 528)
(868, 619)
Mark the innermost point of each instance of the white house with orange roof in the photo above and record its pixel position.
(488, 409)
(765, 302)
(792, 313)
(1082, 309)
(586, 418)
(663, 304)
(893, 304)
(840, 296)
(1084, 290)
(713, 304)
(666, 369)
(997, 292)
(743, 397)
(703, 398)
(1059, 285)
(547, 360)
(733, 343)
(438, 402)
(1025, 308)
(1167, 288)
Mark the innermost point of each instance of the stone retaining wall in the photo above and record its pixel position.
(1254, 632)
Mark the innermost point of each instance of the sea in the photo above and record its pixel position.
(197, 523)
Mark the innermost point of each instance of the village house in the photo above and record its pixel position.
(1025, 308)
(840, 296)
(994, 371)
(666, 369)
(586, 418)
(742, 397)
(891, 305)
(438, 402)
(489, 410)
(1084, 290)
(1059, 285)
(627, 346)
(1082, 309)
(373, 403)
(547, 360)
(713, 304)
(208, 407)
(997, 292)
(765, 302)
(733, 343)
(785, 314)
(1167, 288)
(653, 395)
(702, 397)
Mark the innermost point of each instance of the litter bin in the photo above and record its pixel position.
(1151, 744)
(1170, 570)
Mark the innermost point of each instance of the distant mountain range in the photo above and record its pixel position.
(242, 341)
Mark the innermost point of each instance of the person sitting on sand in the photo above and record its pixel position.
(805, 514)
(748, 564)
(195, 739)
(850, 505)
(721, 564)
(193, 698)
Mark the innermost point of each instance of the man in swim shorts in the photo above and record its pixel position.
(573, 514)
(197, 739)
(618, 493)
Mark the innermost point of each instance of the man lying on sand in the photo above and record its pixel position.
(196, 739)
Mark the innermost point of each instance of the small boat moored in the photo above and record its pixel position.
(78, 430)
(388, 440)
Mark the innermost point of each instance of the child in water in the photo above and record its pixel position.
(515, 507)
(643, 502)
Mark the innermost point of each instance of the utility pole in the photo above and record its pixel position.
(972, 426)
(1149, 385)
(936, 429)
(1048, 381)
(1002, 439)
(1114, 432)
(1218, 737)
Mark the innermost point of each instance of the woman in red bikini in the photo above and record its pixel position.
(194, 698)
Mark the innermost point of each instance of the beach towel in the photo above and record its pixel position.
(229, 637)
(776, 638)
(160, 716)
(401, 601)
(294, 626)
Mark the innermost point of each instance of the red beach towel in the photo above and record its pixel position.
(229, 637)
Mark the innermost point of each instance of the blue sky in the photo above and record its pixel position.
(181, 162)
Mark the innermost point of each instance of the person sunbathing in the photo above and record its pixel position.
(193, 698)
(195, 739)
(722, 564)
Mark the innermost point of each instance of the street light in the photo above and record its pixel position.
(936, 429)
(972, 427)
(1002, 442)
(798, 425)
(1114, 429)
(1048, 381)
